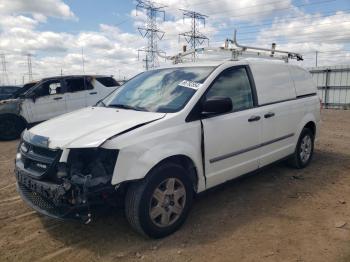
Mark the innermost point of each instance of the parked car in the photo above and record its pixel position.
(51, 97)
(7, 92)
(166, 135)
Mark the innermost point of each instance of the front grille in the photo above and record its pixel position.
(42, 204)
(37, 161)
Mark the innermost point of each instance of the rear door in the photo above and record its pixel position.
(99, 88)
(281, 112)
(76, 93)
(232, 139)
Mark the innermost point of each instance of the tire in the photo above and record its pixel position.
(304, 150)
(11, 127)
(152, 208)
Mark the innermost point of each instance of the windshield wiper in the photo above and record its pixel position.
(137, 108)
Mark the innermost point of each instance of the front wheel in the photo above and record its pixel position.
(11, 127)
(304, 150)
(158, 205)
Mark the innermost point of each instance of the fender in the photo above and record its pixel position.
(12, 107)
(136, 160)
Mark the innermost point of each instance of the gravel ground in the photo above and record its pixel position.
(279, 214)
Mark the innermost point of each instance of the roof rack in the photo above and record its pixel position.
(237, 51)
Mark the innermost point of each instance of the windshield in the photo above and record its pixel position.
(162, 90)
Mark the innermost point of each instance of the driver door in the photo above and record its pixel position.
(49, 101)
(232, 139)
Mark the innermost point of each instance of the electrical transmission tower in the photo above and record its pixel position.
(5, 79)
(151, 31)
(194, 37)
(30, 71)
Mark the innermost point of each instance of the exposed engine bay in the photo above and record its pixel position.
(65, 190)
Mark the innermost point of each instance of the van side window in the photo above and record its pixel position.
(233, 83)
(75, 85)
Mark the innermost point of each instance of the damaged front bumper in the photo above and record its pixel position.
(64, 190)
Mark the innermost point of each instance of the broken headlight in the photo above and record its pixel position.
(94, 162)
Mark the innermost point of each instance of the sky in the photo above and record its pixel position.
(101, 37)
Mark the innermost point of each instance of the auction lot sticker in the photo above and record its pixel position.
(190, 84)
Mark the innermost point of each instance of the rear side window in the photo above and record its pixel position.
(107, 81)
(233, 83)
(75, 84)
(303, 82)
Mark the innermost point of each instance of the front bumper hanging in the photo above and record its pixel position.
(52, 199)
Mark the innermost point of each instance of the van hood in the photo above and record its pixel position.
(88, 127)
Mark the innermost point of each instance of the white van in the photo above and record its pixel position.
(166, 135)
(51, 97)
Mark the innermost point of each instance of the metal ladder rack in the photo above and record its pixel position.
(239, 51)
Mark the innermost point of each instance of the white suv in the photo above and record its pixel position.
(51, 97)
(166, 135)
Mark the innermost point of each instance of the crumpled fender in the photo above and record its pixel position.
(139, 154)
(11, 106)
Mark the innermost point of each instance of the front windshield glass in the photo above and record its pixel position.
(162, 90)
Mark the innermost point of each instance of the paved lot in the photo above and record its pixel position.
(279, 214)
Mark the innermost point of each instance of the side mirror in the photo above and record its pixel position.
(217, 105)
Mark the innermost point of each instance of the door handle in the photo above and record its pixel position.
(269, 114)
(254, 118)
(93, 93)
(57, 98)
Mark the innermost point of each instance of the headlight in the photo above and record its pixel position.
(92, 161)
(18, 156)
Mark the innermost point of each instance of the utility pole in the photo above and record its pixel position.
(194, 37)
(5, 78)
(151, 31)
(82, 59)
(30, 69)
(316, 58)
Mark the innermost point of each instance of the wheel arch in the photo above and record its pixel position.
(185, 162)
(13, 132)
(309, 121)
(312, 126)
(143, 164)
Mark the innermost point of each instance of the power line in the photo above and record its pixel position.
(292, 19)
(300, 27)
(151, 32)
(300, 38)
(277, 9)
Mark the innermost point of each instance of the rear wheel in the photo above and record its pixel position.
(11, 127)
(158, 205)
(304, 149)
